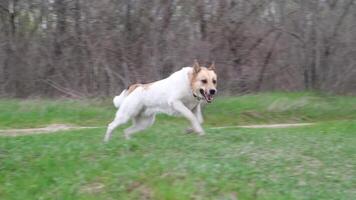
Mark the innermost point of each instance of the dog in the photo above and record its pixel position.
(182, 93)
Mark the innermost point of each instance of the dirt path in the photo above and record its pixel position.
(63, 127)
(266, 126)
(48, 129)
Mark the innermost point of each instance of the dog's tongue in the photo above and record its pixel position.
(209, 98)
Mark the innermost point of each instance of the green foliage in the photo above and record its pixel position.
(312, 162)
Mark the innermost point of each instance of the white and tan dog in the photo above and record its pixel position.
(180, 94)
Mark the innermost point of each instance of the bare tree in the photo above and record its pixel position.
(87, 48)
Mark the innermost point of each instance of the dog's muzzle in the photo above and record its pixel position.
(208, 96)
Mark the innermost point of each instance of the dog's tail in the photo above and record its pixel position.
(119, 99)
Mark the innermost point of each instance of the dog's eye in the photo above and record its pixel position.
(214, 81)
(204, 81)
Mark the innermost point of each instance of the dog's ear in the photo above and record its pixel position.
(196, 66)
(212, 66)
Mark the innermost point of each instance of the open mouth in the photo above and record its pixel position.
(208, 97)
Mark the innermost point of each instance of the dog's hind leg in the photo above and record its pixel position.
(129, 109)
(139, 123)
(119, 120)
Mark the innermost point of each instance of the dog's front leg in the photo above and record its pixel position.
(181, 108)
(198, 114)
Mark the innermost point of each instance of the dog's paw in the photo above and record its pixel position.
(127, 136)
(189, 130)
(106, 139)
(201, 133)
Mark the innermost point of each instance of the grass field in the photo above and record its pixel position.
(311, 162)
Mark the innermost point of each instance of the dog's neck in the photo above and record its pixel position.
(196, 97)
(191, 78)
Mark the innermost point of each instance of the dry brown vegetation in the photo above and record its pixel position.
(81, 48)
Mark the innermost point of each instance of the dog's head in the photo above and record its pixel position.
(204, 81)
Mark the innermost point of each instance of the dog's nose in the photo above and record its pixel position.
(212, 91)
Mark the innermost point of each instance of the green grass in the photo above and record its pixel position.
(255, 109)
(312, 162)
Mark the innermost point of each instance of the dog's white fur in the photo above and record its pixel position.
(173, 96)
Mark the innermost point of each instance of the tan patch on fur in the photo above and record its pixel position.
(147, 85)
(135, 86)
